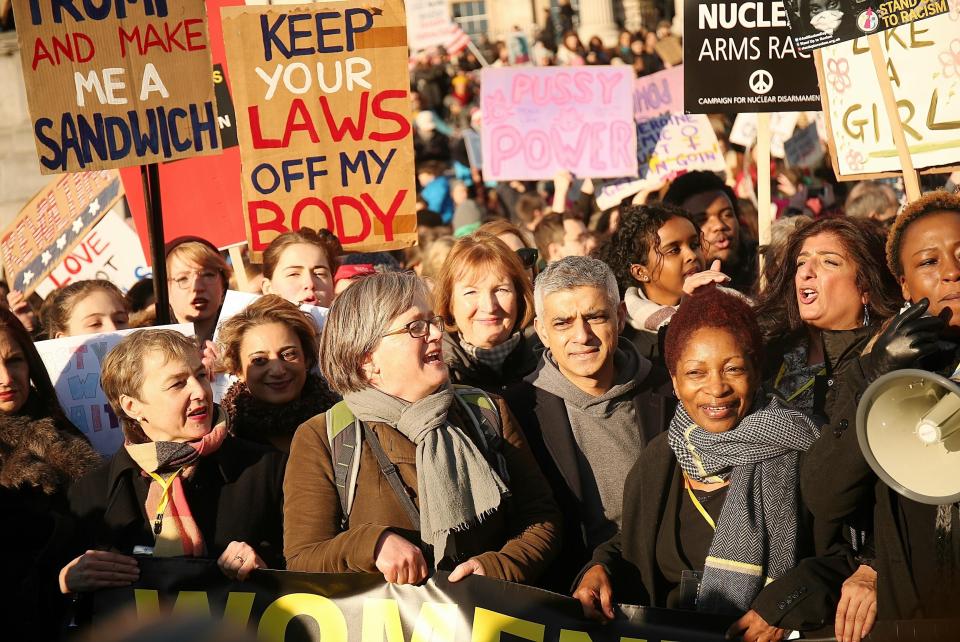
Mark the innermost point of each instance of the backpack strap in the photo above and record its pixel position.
(343, 433)
(487, 425)
(389, 470)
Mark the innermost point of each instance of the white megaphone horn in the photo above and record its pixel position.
(908, 424)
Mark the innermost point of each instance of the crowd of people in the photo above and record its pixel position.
(615, 404)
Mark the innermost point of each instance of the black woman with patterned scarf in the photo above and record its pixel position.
(271, 346)
(713, 520)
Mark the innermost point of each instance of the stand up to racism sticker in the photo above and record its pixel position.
(114, 84)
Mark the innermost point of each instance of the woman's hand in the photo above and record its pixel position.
(400, 561)
(595, 593)
(98, 570)
(470, 567)
(209, 359)
(713, 275)
(857, 610)
(20, 307)
(753, 628)
(238, 559)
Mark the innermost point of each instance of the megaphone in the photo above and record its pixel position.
(908, 425)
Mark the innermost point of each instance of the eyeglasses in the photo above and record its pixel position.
(528, 256)
(419, 328)
(206, 277)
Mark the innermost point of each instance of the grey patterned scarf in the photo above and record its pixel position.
(756, 537)
(493, 357)
(456, 486)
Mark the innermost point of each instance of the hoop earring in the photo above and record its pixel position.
(866, 315)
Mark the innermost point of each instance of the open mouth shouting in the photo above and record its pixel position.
(200, 414)
(434, 356)
(807, 295)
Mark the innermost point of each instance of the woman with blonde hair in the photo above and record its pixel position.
(271, 347)
(198, 278)
(486, 301)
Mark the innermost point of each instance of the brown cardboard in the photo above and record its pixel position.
(53, 222)
(168, 48)
(290, 128)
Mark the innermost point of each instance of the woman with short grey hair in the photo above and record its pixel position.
(434, 476)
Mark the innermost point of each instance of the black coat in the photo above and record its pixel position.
(39, 457)
(466, 371)
(803, 599)
(235, 494)
(544, 420)
(838, 485)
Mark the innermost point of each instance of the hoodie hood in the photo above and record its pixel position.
(629, 367)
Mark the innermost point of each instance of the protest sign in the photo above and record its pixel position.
(52, 223)
(668, 141)
(201, 195)
(804, 149)
(782, 124)
(739, 57)
(110, 251)
(471, 140)
(363, 607)
(924, 72)
(234, 302)
(428, 23)
(116, 84)
(818, 24)
(73, 364)
(324, 122)
(539, 121)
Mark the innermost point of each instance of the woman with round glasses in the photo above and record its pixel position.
(485, 298)
(198, 277)
(432, 486)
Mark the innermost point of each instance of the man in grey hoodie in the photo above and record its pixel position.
(590, 406)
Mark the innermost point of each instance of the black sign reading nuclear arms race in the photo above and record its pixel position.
(739, 57)
(818, 23)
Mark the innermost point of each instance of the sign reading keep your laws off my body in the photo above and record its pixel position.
(324, 121)
(113, 84)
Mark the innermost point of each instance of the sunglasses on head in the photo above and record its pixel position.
(528, 256)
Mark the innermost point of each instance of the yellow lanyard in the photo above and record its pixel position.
(164, 498)
(696, 502)
(802, 389)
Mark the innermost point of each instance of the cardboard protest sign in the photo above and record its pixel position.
(669, 142)
(804, 148)
(324, 121)
(52, 223)
(922, 64)
(234, 302)
(110, 251)
(782, 124)
(201, 195)
(539, 121)
(74, 367)
(818, 24)
(739, 57)
(116, 84)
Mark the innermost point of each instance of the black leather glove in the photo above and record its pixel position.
(908, 338)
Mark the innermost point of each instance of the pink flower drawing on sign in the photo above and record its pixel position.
(855, 160)
(950, 59)
(838, 74)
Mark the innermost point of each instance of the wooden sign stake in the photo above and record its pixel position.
(150, 175)
(910, 179)
(239, 269)
(764, 215)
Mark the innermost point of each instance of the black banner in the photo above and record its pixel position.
(284, 606)
(740, 57)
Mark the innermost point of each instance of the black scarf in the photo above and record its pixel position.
(256, 420)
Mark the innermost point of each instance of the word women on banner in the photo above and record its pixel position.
(819, 24)
(324, 121)
(739, 57)
(110, 251)
(537, 122)
(52, 223)
(74, 367)
(114, 84)
(925, 74)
